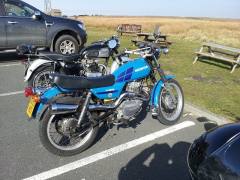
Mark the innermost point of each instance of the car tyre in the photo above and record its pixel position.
(67, 44)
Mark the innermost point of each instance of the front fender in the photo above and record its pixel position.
(34, 66)
(155, 95)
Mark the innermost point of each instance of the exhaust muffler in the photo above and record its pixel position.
(63, 108)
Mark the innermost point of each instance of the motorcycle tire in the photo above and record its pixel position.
(171, 120)
(40, 71)
(43, 134)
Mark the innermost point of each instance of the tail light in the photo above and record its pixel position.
(28, 91)
(36, 99)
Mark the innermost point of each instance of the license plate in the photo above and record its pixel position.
(30, 107)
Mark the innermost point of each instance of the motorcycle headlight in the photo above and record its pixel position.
(82, 26)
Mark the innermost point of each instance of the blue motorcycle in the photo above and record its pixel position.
(70, 112)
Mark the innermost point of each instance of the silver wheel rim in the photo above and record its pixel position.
(66, 148)
(42, 80)
(67, 47)
(178, 98)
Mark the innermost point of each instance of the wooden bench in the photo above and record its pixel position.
(219, 52)
(129, 29)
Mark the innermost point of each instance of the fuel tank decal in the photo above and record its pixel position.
(141, 69)
(125, 76)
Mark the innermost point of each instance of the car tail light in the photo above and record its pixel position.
(28, 91)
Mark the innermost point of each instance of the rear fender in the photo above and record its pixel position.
(155, 95)
(41, 115)
(34, 66)
(58, 104)
(47, 96)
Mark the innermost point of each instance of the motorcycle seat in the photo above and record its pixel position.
(79, 82)
(59, 57)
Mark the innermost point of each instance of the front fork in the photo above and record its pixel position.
(159, 70)
(157, 88)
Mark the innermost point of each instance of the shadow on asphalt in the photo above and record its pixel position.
(208, 124)
(159, 161)
(10, 57)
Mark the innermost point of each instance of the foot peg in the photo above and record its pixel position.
(154, 112)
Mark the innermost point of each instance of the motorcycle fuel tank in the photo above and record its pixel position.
(131, 71)
(97, 51)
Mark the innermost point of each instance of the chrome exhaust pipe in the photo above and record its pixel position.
(117, 102)
(63, 108)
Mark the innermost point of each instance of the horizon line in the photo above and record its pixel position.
(158, 16)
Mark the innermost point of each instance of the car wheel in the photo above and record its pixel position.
(66, 44)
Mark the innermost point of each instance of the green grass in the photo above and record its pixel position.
(210, 86)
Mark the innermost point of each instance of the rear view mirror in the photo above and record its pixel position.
(37, 15)
(165, 51)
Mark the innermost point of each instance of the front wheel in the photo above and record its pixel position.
(171, 103)
(60, 135)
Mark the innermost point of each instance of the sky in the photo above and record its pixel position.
(183, 8)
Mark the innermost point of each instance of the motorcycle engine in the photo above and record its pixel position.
(134, 87)
(129, 109)
(94, 69)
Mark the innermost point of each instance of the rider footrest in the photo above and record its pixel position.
(154, 112)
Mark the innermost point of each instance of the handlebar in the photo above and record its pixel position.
(138, 51)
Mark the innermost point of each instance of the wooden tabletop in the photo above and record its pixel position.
(218, 46)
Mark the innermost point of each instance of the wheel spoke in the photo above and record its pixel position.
(171, 101)
(42, 80)
(63, 135)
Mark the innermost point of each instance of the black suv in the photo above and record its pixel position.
(20, 23)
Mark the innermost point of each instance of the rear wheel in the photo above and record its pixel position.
(60, 135)
(171, 103)
(41, 77)
(66, 44)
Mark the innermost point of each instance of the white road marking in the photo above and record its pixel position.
(110, 152)
(8, 51)
(11, 93)
(9, 65)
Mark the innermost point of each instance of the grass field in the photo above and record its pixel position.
(209, 85)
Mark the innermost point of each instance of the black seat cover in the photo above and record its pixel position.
(76, 82)
(59, 57)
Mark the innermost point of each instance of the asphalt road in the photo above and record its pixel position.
(161, 155)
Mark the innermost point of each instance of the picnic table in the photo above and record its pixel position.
(219, 52)
(156, 37)
(129, 29)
